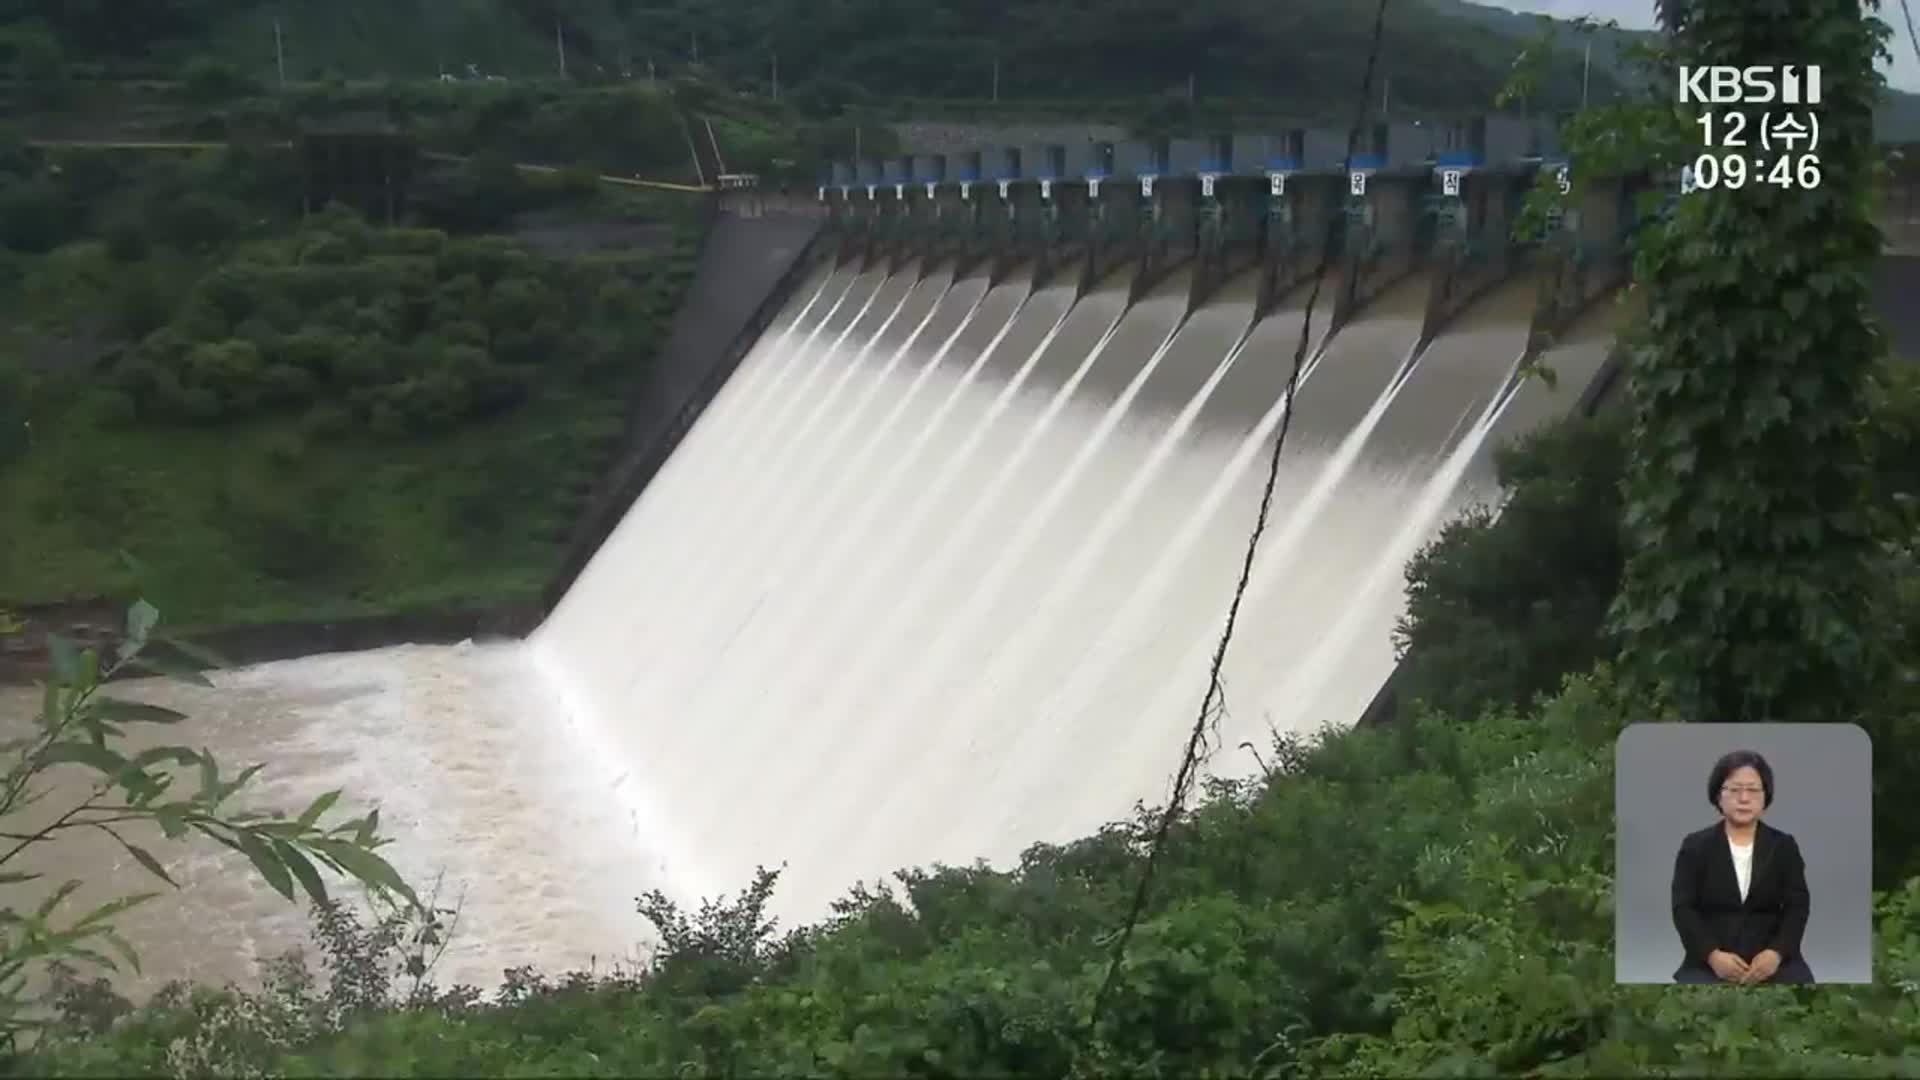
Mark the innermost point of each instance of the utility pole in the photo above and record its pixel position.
(1586, 73)
(715, 143)
(776, 76)
(279, 52)
(996, 79)
(693, 38)
(1386, 95)
(560, 45)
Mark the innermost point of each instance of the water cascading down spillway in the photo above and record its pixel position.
(939, 573)
(936, 575)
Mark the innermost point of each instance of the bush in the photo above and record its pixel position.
(406, 331)
(283, 385)
(208, 80)
(496, 388)
(114, 408)
(15, 392)
(1500, 609)
(198, 222)
(414, 241)
(284, 449)
(276, 524)
(210, 129)
(482, 194)
(18, 159)
(230, 370)
(327, 420)
(38, 62)
(35, 216)
(127, 238)
(145, 299)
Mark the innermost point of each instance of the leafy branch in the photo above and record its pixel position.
(77, 726)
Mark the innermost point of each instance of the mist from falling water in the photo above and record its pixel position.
(972, 346)
(1182, 590)
(675, 493)
(772, 712)
(997, 524)
(986, 589)
(1466, 477)
(926, 295)
(756, 467)
(795, 474)
(1085, 481)
(861, 678)
(870, 681)
(976, 308)
(1095, 317)
(1114, 512)
(1306, 685)
(1342, 584)
(1131, 432)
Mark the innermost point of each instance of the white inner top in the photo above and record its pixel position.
(1742, 865)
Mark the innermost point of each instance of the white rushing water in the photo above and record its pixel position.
(936, 576)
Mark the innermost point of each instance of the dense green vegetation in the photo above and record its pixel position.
(1496, 616)
(286, 417)
(831, 52)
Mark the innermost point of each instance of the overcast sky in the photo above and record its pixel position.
(1904, 72)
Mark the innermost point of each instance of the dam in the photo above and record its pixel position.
(932, 570)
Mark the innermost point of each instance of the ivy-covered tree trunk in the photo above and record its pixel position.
(1745, 583)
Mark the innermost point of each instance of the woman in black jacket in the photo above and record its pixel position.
(1740, 896)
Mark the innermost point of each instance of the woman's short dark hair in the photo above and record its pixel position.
(1739, 759)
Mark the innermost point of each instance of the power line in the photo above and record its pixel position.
(1911, 35)
(1190, 760)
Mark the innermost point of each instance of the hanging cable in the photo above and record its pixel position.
(1190, 760)
(1912, 36)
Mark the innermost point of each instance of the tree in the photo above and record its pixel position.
(1500, 609)
(38, 62)
(78, 728)
(209, 79)
(1745, 585)
(17, 390)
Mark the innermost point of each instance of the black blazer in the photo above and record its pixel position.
(1708, 911)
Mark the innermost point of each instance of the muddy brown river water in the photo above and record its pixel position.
(487, 798)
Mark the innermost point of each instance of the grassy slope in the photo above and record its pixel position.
(265, 520)
(420, 535)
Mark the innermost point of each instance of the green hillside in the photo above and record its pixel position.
(1299, 58)
(1303, 52)
(289, 417)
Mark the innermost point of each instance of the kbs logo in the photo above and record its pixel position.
(1786, 84)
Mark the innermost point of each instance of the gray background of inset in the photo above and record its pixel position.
(1823, 795)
